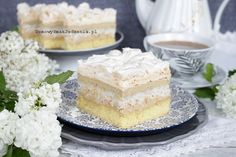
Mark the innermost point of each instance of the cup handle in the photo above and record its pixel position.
(219, 13)
(145, 44)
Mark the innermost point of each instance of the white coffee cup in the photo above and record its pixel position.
(188, 61)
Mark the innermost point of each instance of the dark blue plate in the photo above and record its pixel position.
(183, 108)
(98, 139)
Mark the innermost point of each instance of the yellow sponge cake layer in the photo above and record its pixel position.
(95, 42)
(52, 43)
(113, 116)
(103, 41)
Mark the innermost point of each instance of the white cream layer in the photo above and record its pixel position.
(76, 37)
(51, 31)
(125, 69)
(29, 27)
(126, 104)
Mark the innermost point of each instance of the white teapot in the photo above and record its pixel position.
(178, 16)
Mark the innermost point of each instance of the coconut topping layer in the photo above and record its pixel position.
(84, 15)
(125, 69)
(69, 15)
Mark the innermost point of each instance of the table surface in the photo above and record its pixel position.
(224, 56)
(228, 150)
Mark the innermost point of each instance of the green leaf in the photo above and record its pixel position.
(1, 107)
(7, 100)
(231, 72)
(14, 151)
(10, 105)
(9, 151)
(59, 78)
(8, 94)
(209, 72)
(215, 89)
(2, 81)
(18, 152)
(206, 92)
(15, 28)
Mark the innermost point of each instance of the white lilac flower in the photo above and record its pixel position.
(25, 103)
(49, 95)
(45, 96)
(24, 68)
(7, 127)
(11, 42)
(31, 45)
(39, 133)
(226, 97)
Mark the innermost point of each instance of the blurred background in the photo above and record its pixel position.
(127, 18)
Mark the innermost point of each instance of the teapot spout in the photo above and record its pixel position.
(143, 9)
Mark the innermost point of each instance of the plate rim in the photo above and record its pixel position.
(71, 52)
(107, 145)
(107, 131)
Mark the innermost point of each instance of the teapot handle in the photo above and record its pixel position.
(219, 13)
(143, 9)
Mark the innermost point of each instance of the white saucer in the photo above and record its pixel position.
(197, 80)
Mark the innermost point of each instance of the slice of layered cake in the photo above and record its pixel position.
(93, 27)
(63, 26)
(124, 88)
